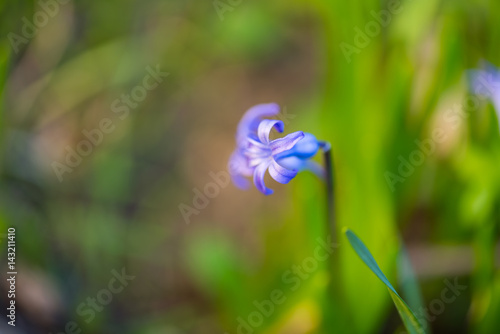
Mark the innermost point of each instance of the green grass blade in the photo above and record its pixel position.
(409, 319)
(409, 285)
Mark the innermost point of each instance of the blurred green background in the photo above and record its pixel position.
(157, 88)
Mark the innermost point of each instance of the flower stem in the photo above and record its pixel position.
(334, 299)
(330, 205)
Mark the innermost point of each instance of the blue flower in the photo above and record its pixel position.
(486, 83)
(256, 153)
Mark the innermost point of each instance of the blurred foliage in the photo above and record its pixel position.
(119, 206)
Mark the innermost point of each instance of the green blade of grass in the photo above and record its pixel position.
(409, 286)
(409, 319)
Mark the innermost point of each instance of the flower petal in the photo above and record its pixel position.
(240, 181)
(280, 173)
(286, 143)
(265, 127)
(258, 179)
(253, 144)
(487, 83)
(305, 148)
(255, 152)
(238, 168)
(482, 83)
(250, 121)
(292, 162)
(238, 164)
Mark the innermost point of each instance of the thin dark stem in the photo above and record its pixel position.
(335, 295)
(330, 216)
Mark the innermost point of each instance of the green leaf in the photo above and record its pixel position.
(409, 284)
(409, 319)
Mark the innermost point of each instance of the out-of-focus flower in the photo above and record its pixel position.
(486, 82)
(256, 153)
